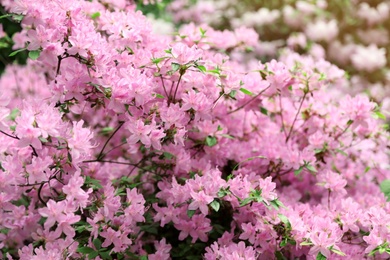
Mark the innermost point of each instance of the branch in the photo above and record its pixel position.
(249, 101)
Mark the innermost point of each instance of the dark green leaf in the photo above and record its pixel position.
(264, 111)
(97, 243)
(190, 213)
(85, 250)
(93, 255)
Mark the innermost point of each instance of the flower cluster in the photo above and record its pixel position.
(118, 143)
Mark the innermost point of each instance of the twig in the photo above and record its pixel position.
(249, 101)
(101, 156)
(296, 116)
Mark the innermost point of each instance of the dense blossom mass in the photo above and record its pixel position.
(118, 143)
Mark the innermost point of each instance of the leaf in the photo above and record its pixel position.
(215, 205)
(158, 96)
(158, 60)
(16, 52)
(283, 218)
(349, 122)
(175, 66)
(17, 17)
(95, 15)
(85, 250)
(342, 152)
(385, 188)
(306, 243)
(190, 213)
(105, 254)
(167, 155)
(223, 192)
(264, 111)
(246, 92)
(227, 136)
(298, 171)
(97, 243)
(5, 16)
(143, 257)
(201, 68)
(246, 201)
(310, 168)
(336, 251)
(34, 54)
(379, 115)
(320, 256)
(93, 255)
(211, 141)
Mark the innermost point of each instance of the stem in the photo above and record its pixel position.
(177, 87)
(296, 116)
(281, 115)
(163, 84)
(101, 155)
(249, 101)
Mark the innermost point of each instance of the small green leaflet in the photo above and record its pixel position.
(246, 92)
(16, 52)
(320, 256)
(95, 15)
(34, 54)
(190, 213)
(215, 205)
(385, 188)
(211, 141)
(264, 111)
(175, 66)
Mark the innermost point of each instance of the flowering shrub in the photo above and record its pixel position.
(117, 143)
(352, 34)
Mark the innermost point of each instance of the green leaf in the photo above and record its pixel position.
(224, 192)
(97, 243)
(190, 213)
(379, 115)
(320, 256)
(246, 92)
(69, 157)
(95, 15)
(202, 32)
(211, 141)
(143, 257)
(105, 254)
(306, 243)
(17, 17)
(201, 68)
(14, 114)
(34, 54)
(385, 188)
(227, 136)
(341, 152)
(215, 205)
(158, 96)
(264, 111)
(245, 201)
(284, 219)
(5, 16)
(93, 255)
(279, 256)
(167, 155)
(349, 122)
(85, 250)
(310, 168)
(337, 251)
(16, 52)
(158, 60)
(175, 66)
(367, 169)
(298, 171)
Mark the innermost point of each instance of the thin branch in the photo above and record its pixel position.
(177, 87)
(249, 101)
(296, 116)
(281, 115)
(101, 156)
